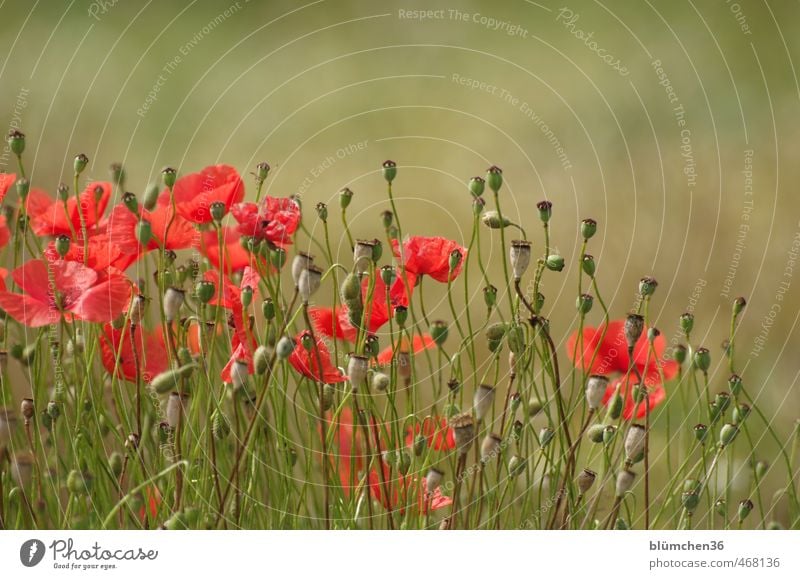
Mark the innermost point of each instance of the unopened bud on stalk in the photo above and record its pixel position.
(150, 197)
(16, 142)
(634, 326)
(79, 483)
(727, 434)
(534, 407)
(476, 186)
(585, 480)
(687, 322)
(690, 500)
(702, 359)
(357, 367)
(588, 265)
(220, 427)
(173, 300)
(647, 286)
(634, 442)
(300, 263)
(176, 405)
(738, 305)
(168, 176)
(745, 507)
(115, 463)
(516, 465)
(545, 210)
(144, 231)
(595, 433)
(584, 304)
(482, 400)
(463, 426)
(309, 282)
(761, 468)
(624, 482)
(588, 228)
(22, 469)
(261, 360)
(493, 220)
(546, 435)
(596, 386)
(389, 170)
(387, 218)
(520, 257)
(80, 162)
(490, 447)
(554, 262)
(345, 197)
(380, 381)
(614, 406)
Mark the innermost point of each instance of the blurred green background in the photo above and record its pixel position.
(569, 99)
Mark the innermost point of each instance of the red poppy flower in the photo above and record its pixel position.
(276, 219)
(6, 181)
(241, 353)
(308, 363)
(420, 343)
(440, 437)
(50, 217)
(230, 297)
(400, 489)
(332, 322)
(612, 358)
(5, 232)
(100, 254)
(81, 293)
(195, 193)
(122, 355)
(430, 256)
(152, 503)
(235, 257)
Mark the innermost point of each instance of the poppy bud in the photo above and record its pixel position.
(80, 162)
(609, 432)
(268, 309)
(204, 290)
(545, 210)
(482, 400)
(23, 188)
(493, 220)
(690, 500)
(300, 262)
(702, 359)
(262, 170)
(584, 304)
(439, 332)
(745, 507)
(477, 206)
(761, 468)
(168, 176)
(516, 465)
(624, 482)
(62, 245)
(401, 315)
(520, 257)
(634, 442)
(735, 384)
(173, 300)
(647, 286)
(596, 386)
(721, 507)
(585, 480)
(389, 171)
(463, 426)
(380, 381)
(261, 360)
(490, 447)
(53, 410)
(357, 367)
(490, 296)
(679, 353)
(454, 259)
(740, 413)
(516, 339)
(176, 406)
(588, 228)
(634, 325)
(687, 322)
(700, 432)
(727, 434)
(217, 210)
(595, 433)
(433, 478)
(494, 178)
(150, 197)
(554, 262)
(144, 231)
(16, 142)
(546, 435)
(284, 348)
(738, 305)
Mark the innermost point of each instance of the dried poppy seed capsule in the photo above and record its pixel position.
(584, 304)
(687, 322)
(27, 409)
(588, 228)
(8, 421)
(588, 265)
(362, 254)
(702, 359)
(634, 442)
(300, 263)
(634, 326)
(357, 367)
(624, 482)
(176, 405)
(439, 332)
(482, 400)
(596, 387)
(433, 479)
(16, 142)
(463, 426)
(22, 469)
(168, 176)
(585, 480)
(520, 257)
(647, 286)
(173, 300)
(490, 447)
(389, 168)
(310, 280)
(494, 178)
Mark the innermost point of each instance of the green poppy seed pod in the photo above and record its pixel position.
(247, 296)
(372, 346)
(634, 326)
(478, 205)
(596, 386)
(483, 400)
(516, 465)
(322, 211)
(735, 384)
(380, 381)
(261, 360)
(738, 305)
(168, 176)
(439, 332)
(588, 228)
(614, 406)
(721, 507)
(53, 410)
(62, 192)
(494, 178)
(635, 442)
(23, 188)
(740, 413)
(538, 302)
(545, 436)
(692, 485)
(166, 381)
(144, 231)
(520, 254)
(690, 500)
(79, 163)
(621, 524)
(687, 322)
(714, 412)
(624, 482)
(389, 170)
(679, 353)
(115, 462)
(220, 427)
(218, 211)
(722, 400)
(702, 359)
(534, 407)
(463, 426)
(262, 170)
(150, 197)
(300, 262)
(545, 210)
(554, 262)
(117, 173)
(490, 447)
(204, 290)
(62, 244)
(277, 257)
(609, 432)
(345, 197)
(595, 433)
(647, 286)
(745, 507)
(477, 186)
(585, 480)
(401, 315)
(490, 296)
(268, 309)
(584, 304)
(700, 432)
(761, 468)
(388, 275)
(588, 265)
(16, 142)
(493, 220)
(455, 259)
(727, 434)
(130, 201)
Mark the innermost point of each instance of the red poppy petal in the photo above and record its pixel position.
(105, 301)
(28, 310)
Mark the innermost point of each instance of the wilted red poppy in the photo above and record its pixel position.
(241, 353)
(275, 219)
(49, 216)
(6, 181)
(430, 256)
(439, 437)
(146, 351)
(195, 193)
(79, 292)
(335, 322)
(612, 358)
(308, 363)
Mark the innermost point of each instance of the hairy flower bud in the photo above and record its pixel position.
(493, 220)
